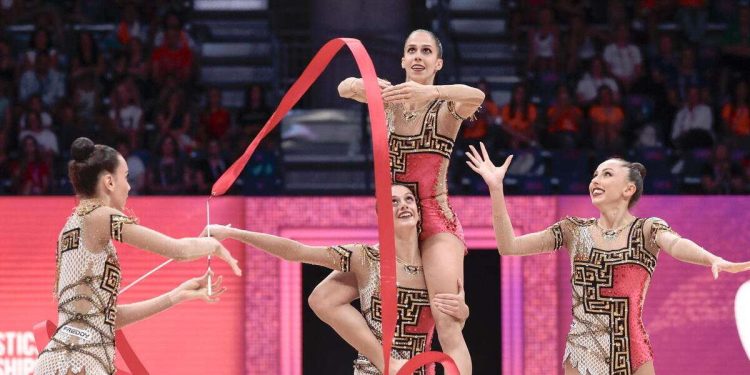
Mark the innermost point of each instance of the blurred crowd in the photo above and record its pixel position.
(661, 82)
(124, 74)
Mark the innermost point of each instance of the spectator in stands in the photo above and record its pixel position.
(34, 104)
(215, 164)
(692, 126)
(251, 119)
(544, 44)
(7, 62)
(32, 174)
(175, 120)
(126, 112)
(195, 178)
(6, 105)
(623, 58)
(589, 85)
(40, 43)
(130, 26)
(693, 18)
(519, 118)
(173, 55)
(172, 21)
(86, 96)
(649, 136)
(735, 116)
(43, 80)
(167, 172)
(665, 59)
(46, 140)
(580, 45)
(116, 72)
(688, 74)
(70, 125)
(478, 129)
(607, 119)
(136, 168)
(88, 59)
(215, 119)
(137, 63)
(721, 175)
(564, 121)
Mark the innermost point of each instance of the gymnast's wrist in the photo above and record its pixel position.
(353, 86)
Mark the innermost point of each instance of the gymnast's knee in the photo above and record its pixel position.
(319, 303)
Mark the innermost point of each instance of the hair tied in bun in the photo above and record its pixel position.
(81, 149)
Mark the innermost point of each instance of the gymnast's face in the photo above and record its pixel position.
(405, 210)
(421, 61)
(117, 184)
(610, 184)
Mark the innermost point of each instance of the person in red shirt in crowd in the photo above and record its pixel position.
(518, 117)
(130, 26)
(607, 118)
(735, 116)
(215, 120)
(477, 129)
(172, 56)
(564, 121)
(32, 174)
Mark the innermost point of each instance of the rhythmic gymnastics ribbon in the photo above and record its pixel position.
(382, 183)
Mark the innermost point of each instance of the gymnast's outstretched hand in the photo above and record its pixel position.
(721, 265)
(219, 232)
(197, 288)
(482, 164)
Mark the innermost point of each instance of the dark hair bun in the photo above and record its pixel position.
(640, 168)
(81, 149)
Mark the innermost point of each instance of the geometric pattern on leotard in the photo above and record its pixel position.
(427, 141)
(609, 315)
(88, 281)
(414, 323)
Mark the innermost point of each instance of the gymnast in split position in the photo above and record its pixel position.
(88, 271)
(612, 259)
(423, 121)
(363, 329)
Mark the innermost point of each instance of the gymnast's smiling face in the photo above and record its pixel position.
(422, 58)
(610, 185)
(405, 209)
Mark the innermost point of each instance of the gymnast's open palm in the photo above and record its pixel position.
(481, 163)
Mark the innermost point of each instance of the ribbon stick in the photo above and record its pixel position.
(208, 234)
(147, 274)
(382, 174)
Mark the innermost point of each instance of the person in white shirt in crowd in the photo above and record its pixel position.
(136, 168)
(693, 124)
(126, 112)
(623, 57)
(35, 104)
(43, 80)
(588, 86)
(46, 139)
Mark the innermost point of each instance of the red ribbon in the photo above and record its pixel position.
(382, 182)
(43, 332)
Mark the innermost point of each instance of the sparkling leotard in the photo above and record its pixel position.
(607, 335)
(414, 325)
(420, 161)
(86, 290)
